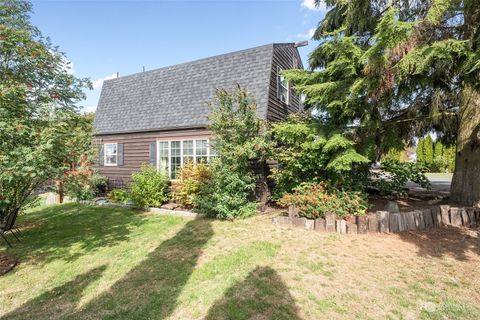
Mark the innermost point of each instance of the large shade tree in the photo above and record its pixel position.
(37, 106)
(395, 70)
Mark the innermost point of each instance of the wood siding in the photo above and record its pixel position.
(136, 151)
(285, 57)
(136, 144)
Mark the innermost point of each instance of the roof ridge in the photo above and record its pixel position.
(198, 60)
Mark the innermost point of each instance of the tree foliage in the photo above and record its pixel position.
(435, 156)
(37, 104)
(240, 139)
(307, 152)
(396, 70)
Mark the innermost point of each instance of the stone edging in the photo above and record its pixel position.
(179, 213)
(384, 221)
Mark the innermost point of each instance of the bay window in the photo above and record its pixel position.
(173, 154)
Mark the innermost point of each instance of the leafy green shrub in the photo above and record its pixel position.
(395, 174)
(226, 195)
(99, 184)
(306, 153)
(118, 195)
(314, 200)
(149, 187)
(240, 140)
(85, 185)
(190, 179)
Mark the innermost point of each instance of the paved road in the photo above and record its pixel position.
(440, 182)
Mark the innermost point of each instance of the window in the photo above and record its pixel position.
(201, 150)
(175, 158)
(172, 155)
(187, 151)
(163, 156)
(110, 154)
(282, 87)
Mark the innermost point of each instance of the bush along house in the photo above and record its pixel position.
(161, 116)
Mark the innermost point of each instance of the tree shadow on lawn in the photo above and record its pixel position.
(50, 233)
(148, 291)
(59, 301)
(262, 295)
(449, 240)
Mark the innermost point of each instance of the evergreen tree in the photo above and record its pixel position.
(438, 149)
(392, 71)
(428, 151)
(421, 150)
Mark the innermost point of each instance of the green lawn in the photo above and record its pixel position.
(101, 263)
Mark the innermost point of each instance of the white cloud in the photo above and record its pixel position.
(308, 35)
(310, 5)
(97, 84)
(87, 109)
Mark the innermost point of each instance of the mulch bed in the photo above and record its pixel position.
(7, 263)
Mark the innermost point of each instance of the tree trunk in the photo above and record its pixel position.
(60, 191)
(465, 188)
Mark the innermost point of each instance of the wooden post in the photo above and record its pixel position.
(465, 217)
(330, 222)
(320, 225)
(437, 216)
(352, 228)
(456, 217)
(372, 223)
(362, 224)
(383, 221)
(419, 220)
(427, 217)
(444, 209)
(341, 226)
(394, 222)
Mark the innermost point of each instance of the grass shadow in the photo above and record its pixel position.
(49, 233)
(150, 290)
(59, 301)
(262, 295)
(438, 242)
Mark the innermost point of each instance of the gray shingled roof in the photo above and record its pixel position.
(178, 96)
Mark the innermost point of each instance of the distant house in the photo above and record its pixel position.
(160, 116)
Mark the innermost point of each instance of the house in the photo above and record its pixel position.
(161, 116)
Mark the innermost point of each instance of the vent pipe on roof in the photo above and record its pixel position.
(143, 68)
(300, 44)
(118, 74)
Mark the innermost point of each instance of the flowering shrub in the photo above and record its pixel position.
(189, 182)
(314, 200)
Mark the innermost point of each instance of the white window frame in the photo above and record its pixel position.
(280, 84)
(105, 155)
(181, 152)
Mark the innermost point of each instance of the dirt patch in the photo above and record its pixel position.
(417, 200)
(7, 263)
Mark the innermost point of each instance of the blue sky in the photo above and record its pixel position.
(101, 38)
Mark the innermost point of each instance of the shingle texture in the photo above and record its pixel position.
(178, 96)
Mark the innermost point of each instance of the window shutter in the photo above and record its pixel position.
(120, 154)
(153, 153)
(101, 157)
